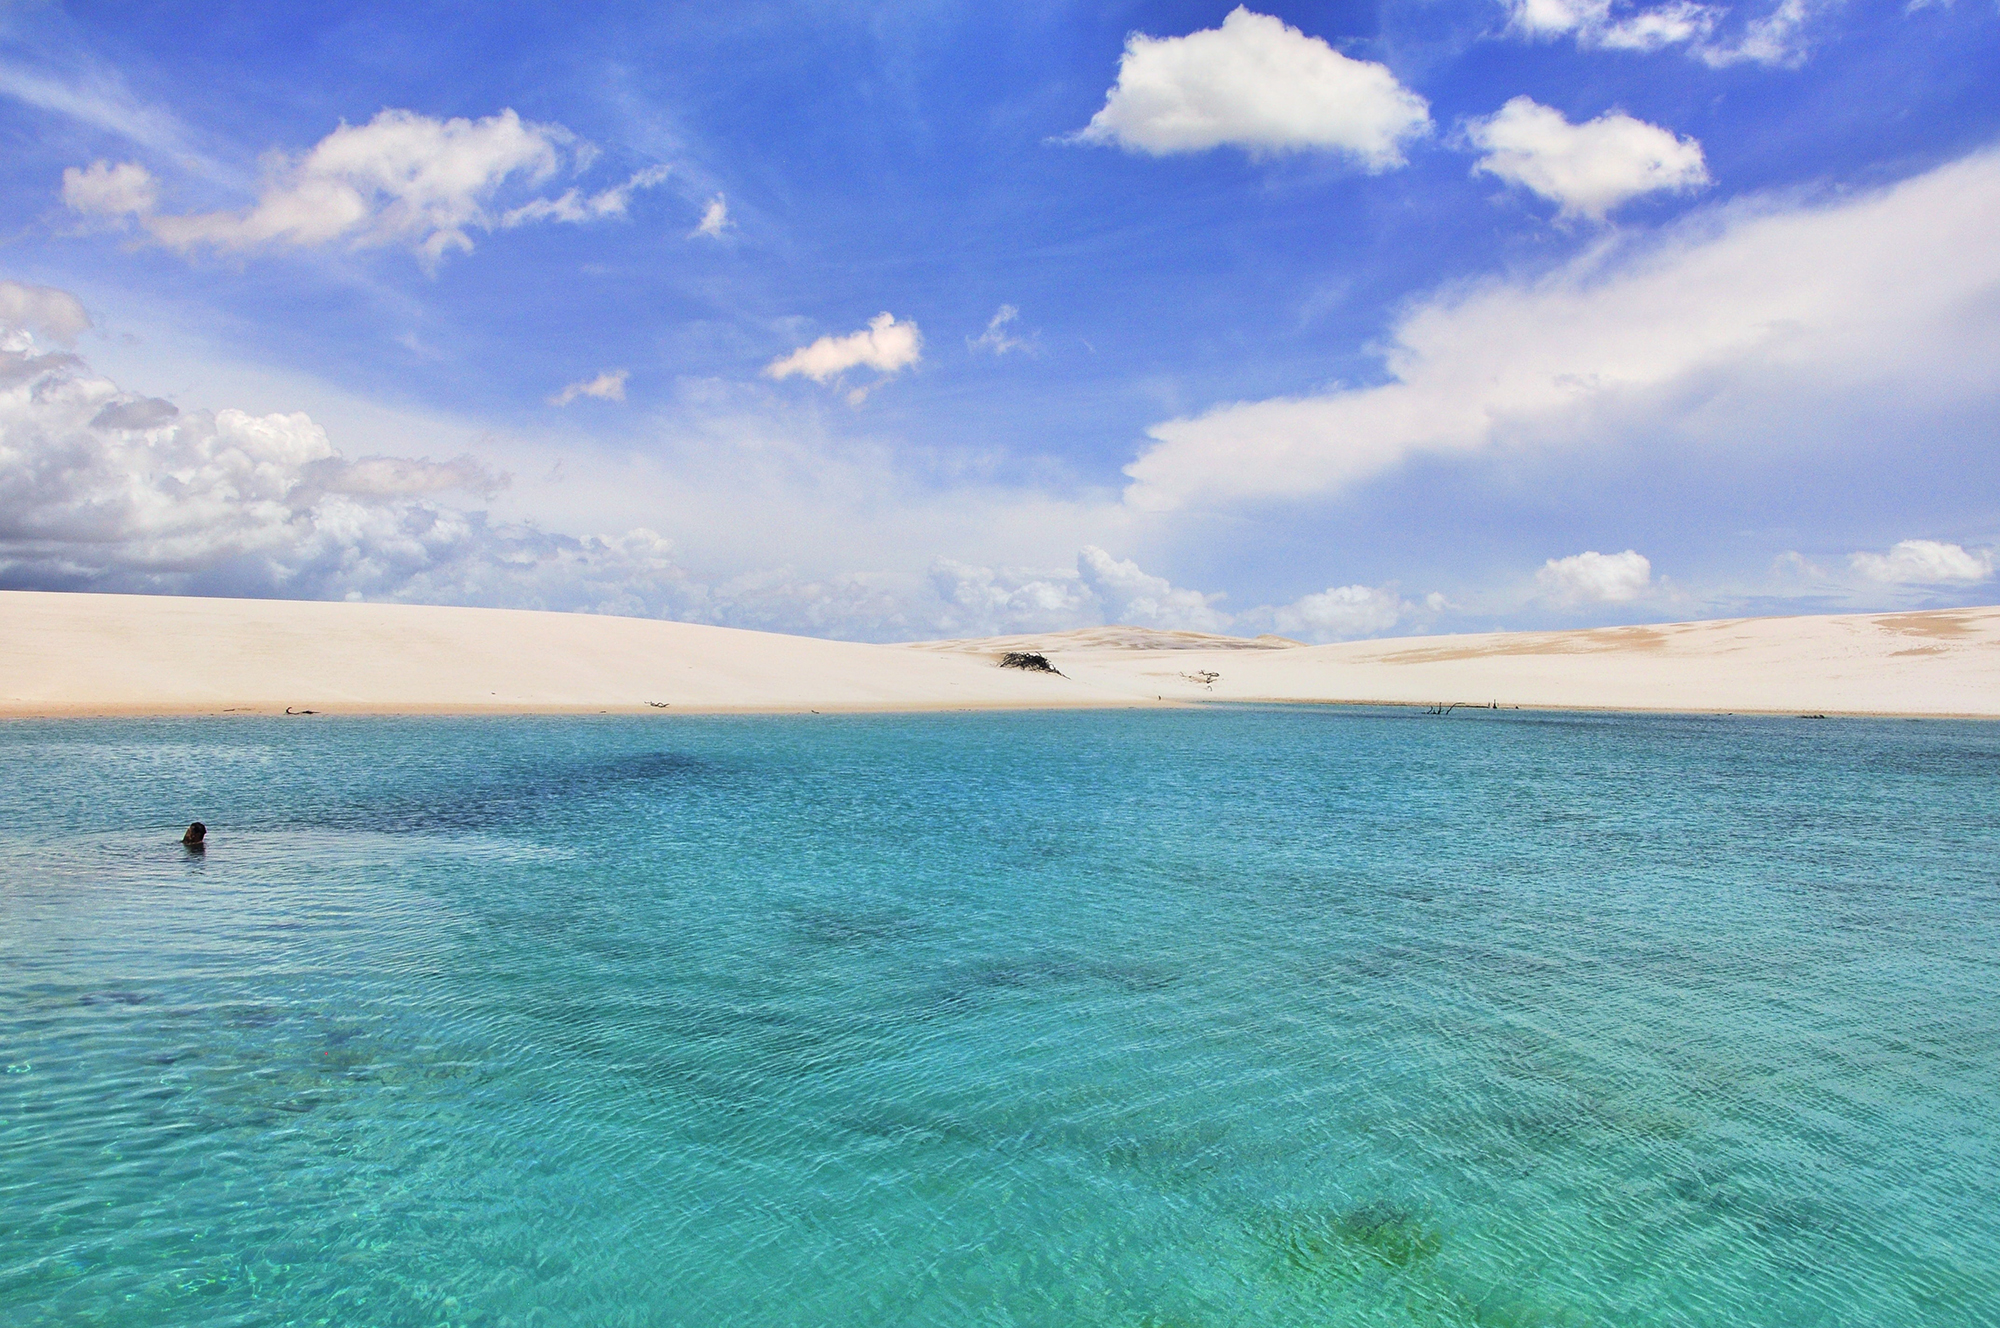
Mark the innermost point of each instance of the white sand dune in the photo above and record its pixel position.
(63, 654)
(1940, 662)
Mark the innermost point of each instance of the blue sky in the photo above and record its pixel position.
(1334, 320)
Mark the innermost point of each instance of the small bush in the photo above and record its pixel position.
(1028, 661)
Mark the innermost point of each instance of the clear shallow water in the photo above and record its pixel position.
(1247, 1016)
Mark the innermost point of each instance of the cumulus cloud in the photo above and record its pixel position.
(1891, 292)
(1105, 590)
(1099, 590)
(1129, 595)
(1922, 562)
(104, 489)
(1776, 38)
(103, 190)
(885, 346)
(714, 219)
(1587, 168)
(1259, 84)
(987, 601)
(607, 386)
(1596, 578)
(1340, 613)
(51, 313)
(402, 178)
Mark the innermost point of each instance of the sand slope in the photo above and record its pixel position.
(135, 654)
(112, 654)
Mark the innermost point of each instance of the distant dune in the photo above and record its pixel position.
(1941, 662)
(73, 654)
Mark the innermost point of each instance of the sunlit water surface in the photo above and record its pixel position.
(1242, 1016)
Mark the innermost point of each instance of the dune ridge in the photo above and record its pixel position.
(86, 654)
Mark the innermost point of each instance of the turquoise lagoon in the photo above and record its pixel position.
(1246, 1016)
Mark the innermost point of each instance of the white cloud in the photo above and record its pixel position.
(97, 487)
(1105, 591)
(996, 338)
(1594, 24)
(1596, 578)
(1340, 613)
(402, 178)
(96, 95)
(1921, 562)
(1776, 38)
(576, 208)
(105, 489)
(1587, 168)
(1130, 596)
(1258, 84)
(1890, 292)
(986, 601)
(54, 314)
(103, 190)
(885, 346)
(607, 386)
(714, 219)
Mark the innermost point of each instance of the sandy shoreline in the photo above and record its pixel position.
(139, 655)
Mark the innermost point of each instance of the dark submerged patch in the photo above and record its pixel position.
(1322, 1241)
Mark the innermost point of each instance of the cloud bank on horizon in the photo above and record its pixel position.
(1545, 312)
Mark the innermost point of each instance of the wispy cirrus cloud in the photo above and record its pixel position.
(715, 219)
(999, 338)
(576, 207)
(93, 94)
(1778, 37)
(606, 386)
(1601, 25)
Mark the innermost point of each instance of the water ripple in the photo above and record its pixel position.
(1256, 1016)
